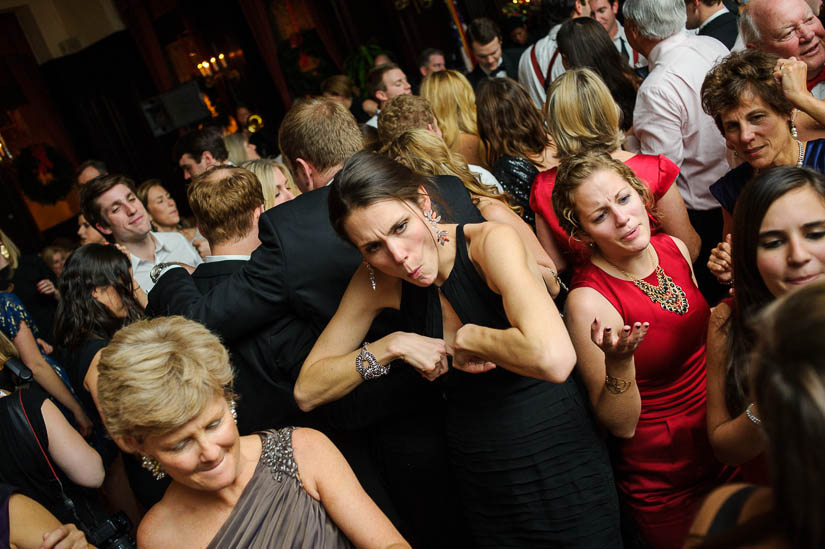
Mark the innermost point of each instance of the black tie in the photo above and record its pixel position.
(624, 51)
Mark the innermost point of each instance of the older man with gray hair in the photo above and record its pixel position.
(788, 28)
(668, 117)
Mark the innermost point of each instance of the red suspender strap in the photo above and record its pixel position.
(536, 67)
(635, 58)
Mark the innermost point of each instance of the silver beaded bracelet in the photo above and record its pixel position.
(374, 368)
(751, 415)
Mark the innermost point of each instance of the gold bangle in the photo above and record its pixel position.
(617, 385)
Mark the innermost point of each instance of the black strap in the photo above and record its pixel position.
(728, 514)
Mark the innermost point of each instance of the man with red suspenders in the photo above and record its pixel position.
(540, 64)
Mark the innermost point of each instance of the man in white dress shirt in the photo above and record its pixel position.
(668, 118)
(604, 11)
(110, 204)
(788, 28)
(540, 64)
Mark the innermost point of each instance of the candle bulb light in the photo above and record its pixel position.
(222, 59)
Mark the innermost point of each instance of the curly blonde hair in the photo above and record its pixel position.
(575, 171)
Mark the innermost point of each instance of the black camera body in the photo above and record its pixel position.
(112, 533)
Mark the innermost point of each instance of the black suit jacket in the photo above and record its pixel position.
(724, 28)
(265, 393)
(292, 286)
(509, 65)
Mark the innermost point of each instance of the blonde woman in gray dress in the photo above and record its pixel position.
(164, 392)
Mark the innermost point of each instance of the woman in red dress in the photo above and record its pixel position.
(582, 116)
(638, 323)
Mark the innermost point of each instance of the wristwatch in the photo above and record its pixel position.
(158, 269)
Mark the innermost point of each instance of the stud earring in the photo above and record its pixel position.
(371, 271)
(440, 235)
(152, 465)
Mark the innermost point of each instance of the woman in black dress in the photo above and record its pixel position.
(530, 467)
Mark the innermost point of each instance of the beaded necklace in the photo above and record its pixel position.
(666, 293)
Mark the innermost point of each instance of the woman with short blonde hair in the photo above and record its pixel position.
(453, 101)
(165, 392)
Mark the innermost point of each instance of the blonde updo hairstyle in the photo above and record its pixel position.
(582, 115)
(453, 102)
(578, 169)
(157, 375)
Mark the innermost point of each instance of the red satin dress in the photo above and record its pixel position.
(656, 171)
(667, 468)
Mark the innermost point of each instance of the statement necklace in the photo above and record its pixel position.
(666, 293)
(801, 154)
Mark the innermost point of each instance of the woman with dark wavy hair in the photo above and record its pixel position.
(517, 144)
(99, 296)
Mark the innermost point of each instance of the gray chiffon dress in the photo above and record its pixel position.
(274, 510)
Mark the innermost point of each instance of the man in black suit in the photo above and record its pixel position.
(712, 18)
(493, 61)
(227, 203)
(390, 429)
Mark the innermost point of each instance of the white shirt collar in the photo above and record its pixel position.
(228, 257)
(723, 10)
(665, 46)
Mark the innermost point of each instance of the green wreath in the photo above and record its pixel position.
(44, 174)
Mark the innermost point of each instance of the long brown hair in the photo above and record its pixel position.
(508, 121)
(751, 292)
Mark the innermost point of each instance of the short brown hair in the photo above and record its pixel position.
(745, 71)
(157, 375)
(375, 79)
(223, 199)
(320, 131)
(483, 31)
(91, 191)
(573, 172)
(402, 113)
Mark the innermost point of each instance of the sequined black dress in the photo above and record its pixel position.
(530, 467)
(516, 176)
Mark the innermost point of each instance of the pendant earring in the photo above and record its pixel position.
(372, 274)
(440, 235)
(152, 465)
(233, 409)
(793, 129)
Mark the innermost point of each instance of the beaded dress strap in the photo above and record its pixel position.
(277, 454)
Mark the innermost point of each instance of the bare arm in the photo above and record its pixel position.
(329, 373)
(328, 478)
(536, 345)
(32, 526)
(734, 440)
(46, 377)
(495, 210)
(589, 314)
(80, 462)
(545, 236)
(675, 221)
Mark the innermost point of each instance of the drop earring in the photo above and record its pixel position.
(793, 129)
(233, 409)
(372, 274)
(440, 235)
(152, 465)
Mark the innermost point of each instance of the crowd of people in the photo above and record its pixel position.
(569, 299)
